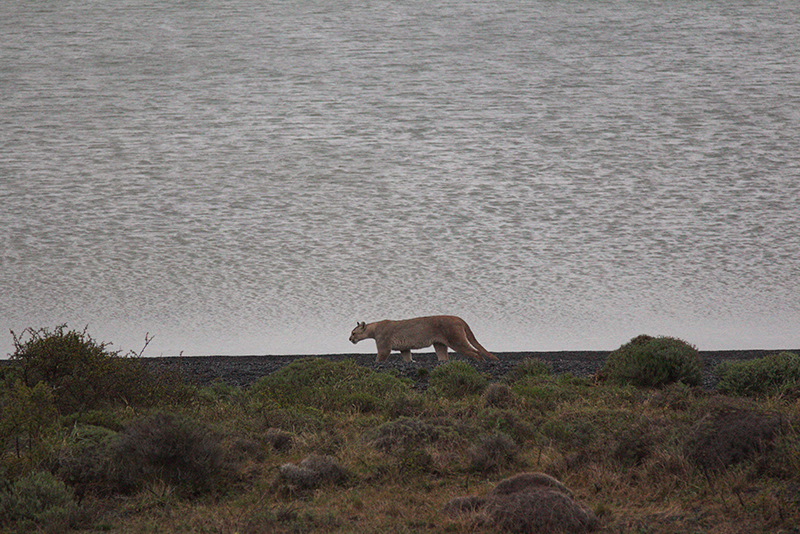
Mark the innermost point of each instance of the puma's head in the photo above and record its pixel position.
(358, 333)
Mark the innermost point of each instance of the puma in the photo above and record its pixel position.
(441, 331)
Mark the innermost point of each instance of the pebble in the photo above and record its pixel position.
(241, 371)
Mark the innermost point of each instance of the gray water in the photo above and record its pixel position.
(241, 177)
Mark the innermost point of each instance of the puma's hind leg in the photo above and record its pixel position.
(463, 347)
(441, 351)
(406, 354)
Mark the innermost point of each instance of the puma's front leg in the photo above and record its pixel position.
(406, 354)
(383, 353)
(441, 351)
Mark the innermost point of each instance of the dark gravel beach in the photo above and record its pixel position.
(244, 370)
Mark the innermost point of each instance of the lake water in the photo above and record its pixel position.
(242, 177)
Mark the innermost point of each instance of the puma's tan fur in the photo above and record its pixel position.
(441, 331)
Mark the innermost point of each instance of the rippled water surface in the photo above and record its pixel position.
(242, 177)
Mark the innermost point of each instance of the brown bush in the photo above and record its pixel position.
(638, 442)
(314, 471)
(539, 511)
(527, 482)
(507, 421)
(403, 433)
(173, 449)
(526, 503)
(498, 395)
(729, 437)
(281, 441)
(492, 453)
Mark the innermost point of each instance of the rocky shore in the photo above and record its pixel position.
(244, 370)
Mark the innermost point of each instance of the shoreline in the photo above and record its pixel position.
(241, 371)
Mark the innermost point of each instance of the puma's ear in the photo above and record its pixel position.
(362, 325)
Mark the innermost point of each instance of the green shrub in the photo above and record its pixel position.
(647, 361)
(407, 443)
(25, 413)
(171, 449)
(324, 384)
(84, 461)
(456, 379)
(83, 373)
(637, 441)
(770, 375)
(36, 501)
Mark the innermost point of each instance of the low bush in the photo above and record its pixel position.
(637, 442)
(771, 375)
(297, 480)
(457, 379)
(499, 395)
(493, 452)
(171, 449)
(38, 501)
(511, 422)
(405, 405)
(647, 361)
(538, 512)
(403, 433)
(729, 437)
(84, 460)
(329, 385)
(782, 460)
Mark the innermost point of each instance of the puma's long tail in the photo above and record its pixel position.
(474, 342)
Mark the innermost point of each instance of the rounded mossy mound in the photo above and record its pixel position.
(647, 361)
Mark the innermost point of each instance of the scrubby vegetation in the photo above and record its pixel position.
(82, 374)
(334, 447)
(777, 374)
(456, 379)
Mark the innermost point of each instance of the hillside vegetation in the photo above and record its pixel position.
(94, 441)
